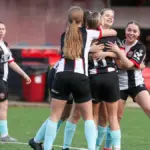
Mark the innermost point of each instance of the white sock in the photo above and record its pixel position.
(4, 135)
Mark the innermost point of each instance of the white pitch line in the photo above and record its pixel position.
(21, 143)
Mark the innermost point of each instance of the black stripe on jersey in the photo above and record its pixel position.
(69, 64)
(1, 52)
(131, 78)
(6, 44)
(1, 71)
(84, 38)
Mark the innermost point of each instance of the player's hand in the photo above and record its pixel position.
(99, 55)
(95, 47)
(113, 47)
(27, 78)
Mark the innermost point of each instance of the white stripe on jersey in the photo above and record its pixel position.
(138, 77)
(79, 66)
(56, 65)
(86, 53)
(123, 80)
(91, 35)
(5, 77)
(61, 65)
(104, 62)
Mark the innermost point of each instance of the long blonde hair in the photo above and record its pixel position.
(73, 42)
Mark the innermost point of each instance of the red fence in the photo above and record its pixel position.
(37, 22)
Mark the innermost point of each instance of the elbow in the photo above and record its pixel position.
(115, 32)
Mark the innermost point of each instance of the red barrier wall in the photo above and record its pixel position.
(36, 22)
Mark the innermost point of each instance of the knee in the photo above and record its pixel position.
(95, 113)
(74, 118)
(4, 106)
(66, 112)
(113, 119)
(103, 120)
(147, 111)
(120, 117)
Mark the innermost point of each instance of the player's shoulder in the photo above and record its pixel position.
(139, 45)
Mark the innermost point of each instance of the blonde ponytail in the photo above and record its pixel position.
(73, 42)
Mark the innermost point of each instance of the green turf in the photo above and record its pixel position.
(24, 122)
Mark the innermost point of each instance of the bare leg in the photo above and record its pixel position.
(66, 112)
(143, 99)
(103, 115)
(96, 112)
(121, 107)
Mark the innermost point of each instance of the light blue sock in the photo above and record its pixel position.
(59, 124)
(90, 134)
(3, 128)
(41, 133)
(116, 138)
(108, 143)
(50, 134)
(101, 135)
(70, 129)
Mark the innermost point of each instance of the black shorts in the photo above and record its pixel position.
(133, 92)
(51, 77)
(70, 82)
(105, 87)
(3, 91)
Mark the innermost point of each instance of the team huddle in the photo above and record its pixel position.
(93, 79)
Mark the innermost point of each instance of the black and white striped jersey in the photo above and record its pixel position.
(104, 65)
(79, 65)
(132, 78)
(61, 51)
(5, 58)
(56, 65)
